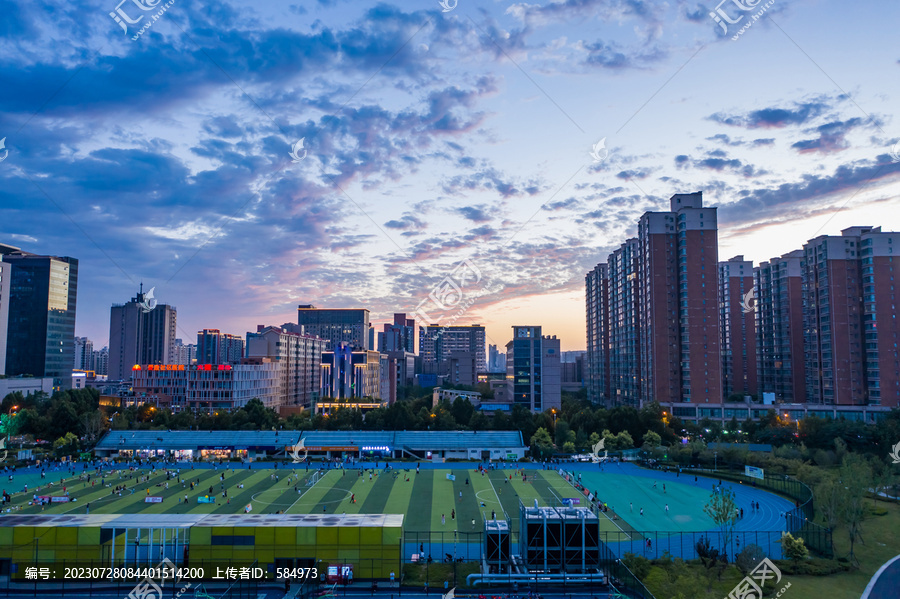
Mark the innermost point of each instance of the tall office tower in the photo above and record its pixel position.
(336, 326)
(436, 342)
(84, 354)
(880, 326)
(399, 336)
(140, 332)
(624, 326)
(101, 361)
(216, 347)
(299, 357)
(779, 327)
(532, 367)
(40, 327)
(5, 280)
(185, 354)
(737, 318)
(596, 375)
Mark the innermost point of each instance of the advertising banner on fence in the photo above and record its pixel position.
(59, 499)
(754, 472)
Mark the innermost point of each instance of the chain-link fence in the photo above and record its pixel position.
(798, 521)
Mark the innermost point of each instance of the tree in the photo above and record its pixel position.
(462, 409)
(710, 558)
(722, 508)
(856, 477)
(541, 444)
(793, 547)
(830, 498)
(652, 439)
(93, 424)
(66, 444)
(478, 421)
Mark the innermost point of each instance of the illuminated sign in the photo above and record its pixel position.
(331, 448)
(376, 448)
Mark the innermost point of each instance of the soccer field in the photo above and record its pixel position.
(423, 498)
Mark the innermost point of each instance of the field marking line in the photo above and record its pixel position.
(307, 490)
(497, 496)
(623, 531)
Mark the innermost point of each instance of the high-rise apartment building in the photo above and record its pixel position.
(40, 303)
(299, 357)
(216, 347)
(140, 332)
(336, 326)
(880, 326)
(597, 359)
(653, 315)
(399, 336)
(101, 362)
(84, 354)
(737, 318)
(436, 342)
(185, 354)
(851, 333)
(779, 327)
(625, 383)
(532, 369)
(834, 341)
(5, 281)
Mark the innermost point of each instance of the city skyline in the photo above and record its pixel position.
(436, 138)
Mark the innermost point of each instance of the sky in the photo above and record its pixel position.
(467, 162)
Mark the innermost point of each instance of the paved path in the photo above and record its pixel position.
(886, 581)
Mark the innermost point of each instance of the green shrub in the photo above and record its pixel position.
(638, 564)
(749, 557)
(793, 548)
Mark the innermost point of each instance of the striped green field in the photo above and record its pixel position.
(423, 498)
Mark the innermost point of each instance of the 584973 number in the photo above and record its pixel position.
(296, 573)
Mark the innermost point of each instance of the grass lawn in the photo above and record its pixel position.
(880, 535)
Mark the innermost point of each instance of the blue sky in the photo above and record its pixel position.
(431, 139)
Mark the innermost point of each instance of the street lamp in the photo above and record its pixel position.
(553, 411)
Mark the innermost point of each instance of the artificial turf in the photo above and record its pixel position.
(422, 499)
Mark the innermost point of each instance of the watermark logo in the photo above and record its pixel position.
(723, 19)
(296, 149)
(895, 454)
(749, 303)
(448, 5)
(149, 588)
(124, 19)
(148, 302)
(3, 447)
(6, 152)
(599, 152)
(751, 586)
(457, 291)
(596, 451)
(297, 458)
(895, 151)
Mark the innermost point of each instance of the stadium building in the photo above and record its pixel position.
(422, 445)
